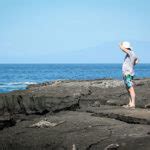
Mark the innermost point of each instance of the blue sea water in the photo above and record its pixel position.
(18, 76)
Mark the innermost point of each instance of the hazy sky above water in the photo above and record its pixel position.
(72, 31)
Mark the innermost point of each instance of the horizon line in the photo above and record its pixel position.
(61, 63)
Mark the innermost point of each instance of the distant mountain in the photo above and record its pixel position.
(109, 52)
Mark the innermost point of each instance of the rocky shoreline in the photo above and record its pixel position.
(90, 112)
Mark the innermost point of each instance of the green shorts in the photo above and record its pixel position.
(128, 80)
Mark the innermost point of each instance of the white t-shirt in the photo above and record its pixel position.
(129, 63)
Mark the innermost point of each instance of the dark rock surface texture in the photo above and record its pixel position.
(91, 113)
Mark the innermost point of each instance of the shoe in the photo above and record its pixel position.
(126, 106)
(132, 107)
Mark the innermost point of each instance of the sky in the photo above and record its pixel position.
(73, 31)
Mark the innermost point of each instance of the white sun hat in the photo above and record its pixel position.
(126, 44)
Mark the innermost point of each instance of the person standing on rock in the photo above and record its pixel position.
(128, 71)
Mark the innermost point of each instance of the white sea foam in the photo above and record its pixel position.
(11, 86)
(16, 84)
(21, 83)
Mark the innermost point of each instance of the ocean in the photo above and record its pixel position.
(19, 76)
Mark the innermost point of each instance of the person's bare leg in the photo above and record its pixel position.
(132, 96)
(130, 102)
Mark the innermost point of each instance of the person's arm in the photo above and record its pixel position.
(136, 61)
